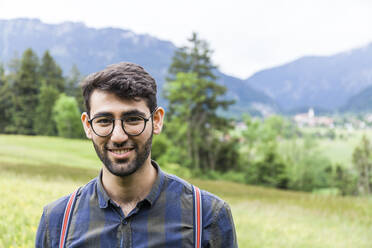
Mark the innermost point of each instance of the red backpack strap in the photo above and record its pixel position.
(197, 216)
(67, 218)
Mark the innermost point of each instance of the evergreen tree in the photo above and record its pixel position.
(195, 58)
(26, 87)
(73, 88)
(362, 160)
(53, 84)
(5, 101)
(194, 98)
(13, 66)
(2, 73)
(44, 122)
(51, 73)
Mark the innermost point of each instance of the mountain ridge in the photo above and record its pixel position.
(92, 49)
(317, 81)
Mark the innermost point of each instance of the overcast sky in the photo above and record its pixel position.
(246, 36)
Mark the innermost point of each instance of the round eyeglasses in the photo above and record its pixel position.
(133, 125)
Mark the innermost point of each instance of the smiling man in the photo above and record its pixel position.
(132, 202)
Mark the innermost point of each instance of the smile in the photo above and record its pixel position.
(120, 151)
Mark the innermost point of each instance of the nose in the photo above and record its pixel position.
(118, 135)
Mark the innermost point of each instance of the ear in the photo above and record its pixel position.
(87, 128)
(158, 120)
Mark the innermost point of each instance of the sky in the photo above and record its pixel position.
(245, 35)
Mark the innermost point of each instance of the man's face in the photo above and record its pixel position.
(122, 155)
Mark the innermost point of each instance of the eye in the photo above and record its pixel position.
(102, 121)
(133, 120)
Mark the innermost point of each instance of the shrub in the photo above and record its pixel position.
(269, 172)
(67, 117)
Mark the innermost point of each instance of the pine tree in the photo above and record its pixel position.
(44, 122)
(193, 59)
(194, 99)
(73, 88)
(26, 87)
(51, 73)
(53, 84)
(5, 101)
(362, 161)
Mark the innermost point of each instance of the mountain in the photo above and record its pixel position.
(93, 49)
(322, 82)
(361, 102)
(248, 99)
(89, 48)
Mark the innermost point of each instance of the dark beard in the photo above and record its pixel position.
(140, 158)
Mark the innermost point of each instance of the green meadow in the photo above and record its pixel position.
(38, 170)
(340, 149)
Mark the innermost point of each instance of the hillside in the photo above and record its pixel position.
(93, 49)
(321, 82)
(361, 102)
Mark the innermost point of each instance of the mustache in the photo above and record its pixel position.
(125, 144)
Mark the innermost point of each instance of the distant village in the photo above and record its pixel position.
(349, 122)
(352, 122)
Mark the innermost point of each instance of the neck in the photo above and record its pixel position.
(128, 191)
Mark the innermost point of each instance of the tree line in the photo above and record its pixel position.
(36, 99)
(198, 140)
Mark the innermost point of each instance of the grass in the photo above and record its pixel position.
(341, 150)
(338, 150)
(41, 151)
(37, 170)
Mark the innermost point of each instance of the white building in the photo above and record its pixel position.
(309, 119)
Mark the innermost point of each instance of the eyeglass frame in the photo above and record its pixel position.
(122, 124)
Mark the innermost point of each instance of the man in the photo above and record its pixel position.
(132, 203)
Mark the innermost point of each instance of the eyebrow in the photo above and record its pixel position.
(127, 113)
(133, 112)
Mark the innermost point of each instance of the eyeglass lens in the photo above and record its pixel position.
(132, 125)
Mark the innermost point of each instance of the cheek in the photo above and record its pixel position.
(149, 127)
(147, 133)
(141, 140)
(99, 141)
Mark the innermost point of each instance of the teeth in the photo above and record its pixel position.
(121, 151)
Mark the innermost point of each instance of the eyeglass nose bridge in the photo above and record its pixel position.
(121, 126)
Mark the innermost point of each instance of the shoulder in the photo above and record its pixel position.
(212, 205)
(214, 208)
(53, 212)
(57, 207)
(173, 181)
(50, 224)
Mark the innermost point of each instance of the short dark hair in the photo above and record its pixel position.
(125, 79)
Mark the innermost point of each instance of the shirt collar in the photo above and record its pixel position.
(103, 198)
(157, 187)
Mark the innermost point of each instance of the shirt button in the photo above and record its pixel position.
(124, 222)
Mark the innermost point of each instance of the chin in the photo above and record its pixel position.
(122, 168)
(126, 166)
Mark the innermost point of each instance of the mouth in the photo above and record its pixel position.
(120, 152)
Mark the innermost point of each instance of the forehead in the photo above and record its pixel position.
(102, 101)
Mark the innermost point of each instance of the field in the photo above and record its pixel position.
(340, 149)
(37, 170)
